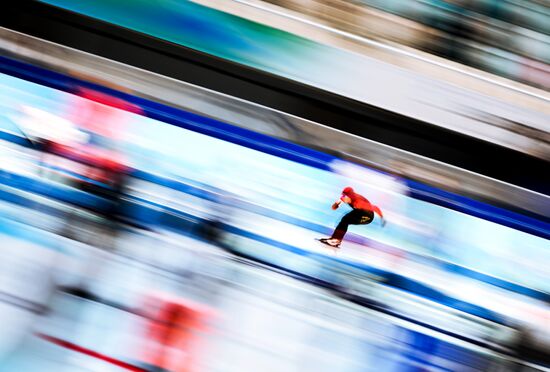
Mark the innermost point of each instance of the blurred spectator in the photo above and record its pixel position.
(172, 339)
(103, 172)
(449, 18)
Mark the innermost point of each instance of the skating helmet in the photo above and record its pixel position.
(347, 191)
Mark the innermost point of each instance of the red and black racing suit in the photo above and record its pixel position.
(362, 214)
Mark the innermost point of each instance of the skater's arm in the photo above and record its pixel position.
(377, 210)
(344, 199)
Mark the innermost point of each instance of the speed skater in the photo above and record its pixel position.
(362, 213)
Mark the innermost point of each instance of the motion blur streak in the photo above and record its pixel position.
(148, 224)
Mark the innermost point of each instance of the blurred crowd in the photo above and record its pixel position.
(510, 38)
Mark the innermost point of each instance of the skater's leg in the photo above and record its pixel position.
(349, 219)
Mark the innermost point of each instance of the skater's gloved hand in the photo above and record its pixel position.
(335, 206)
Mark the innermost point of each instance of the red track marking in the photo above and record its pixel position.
(94, 354)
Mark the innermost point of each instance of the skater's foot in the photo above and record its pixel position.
(332, 242)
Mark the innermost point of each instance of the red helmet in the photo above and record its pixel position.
(348, 191)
